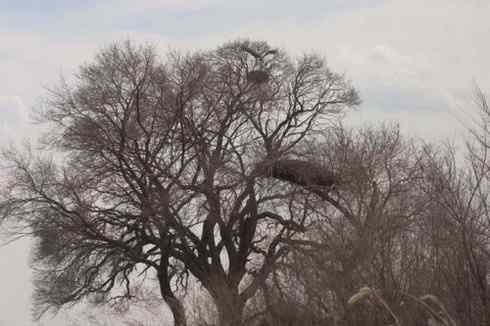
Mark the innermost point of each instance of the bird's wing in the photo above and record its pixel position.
(252, 52)
(269, 52)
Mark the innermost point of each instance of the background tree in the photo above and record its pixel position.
(359, 235)
(165, 168)
(460, 194)
(406, 218)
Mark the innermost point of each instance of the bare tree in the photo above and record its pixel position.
(182, 167)
(458, 188)
(360, 235)
(406, 219)
(358, 230)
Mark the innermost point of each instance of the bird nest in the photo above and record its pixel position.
(300, 172)
(258, 76)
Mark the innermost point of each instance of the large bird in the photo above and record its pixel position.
(257, 56)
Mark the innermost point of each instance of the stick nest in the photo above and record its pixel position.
(300, 172)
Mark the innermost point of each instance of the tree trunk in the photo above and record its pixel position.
(174, 304)
(229, 304)
(230, 312)
(178, 312)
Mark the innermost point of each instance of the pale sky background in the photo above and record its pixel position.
(413, 61)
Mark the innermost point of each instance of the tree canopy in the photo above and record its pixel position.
(188, 165)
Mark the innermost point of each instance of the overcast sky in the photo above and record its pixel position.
(413, 62)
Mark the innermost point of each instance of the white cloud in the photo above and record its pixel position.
(14, 118)
(12, 109)
(15, 283)
(428, 50)
(173, 4)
